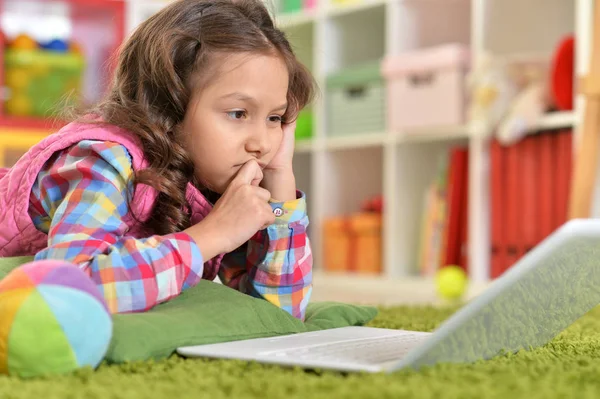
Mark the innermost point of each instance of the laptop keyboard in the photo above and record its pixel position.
(366, 351)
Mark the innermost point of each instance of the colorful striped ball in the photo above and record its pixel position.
(52, 320)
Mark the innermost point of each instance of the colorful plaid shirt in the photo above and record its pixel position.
(79, 200)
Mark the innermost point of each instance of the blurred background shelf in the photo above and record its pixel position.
(378, 290)
(400, 164)
(361, 172)
(364, 140)
(8, 121)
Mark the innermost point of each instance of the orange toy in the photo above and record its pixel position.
(23, 42)
(353, 244)
(336, 244)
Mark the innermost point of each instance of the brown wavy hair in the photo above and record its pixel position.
(162, 63)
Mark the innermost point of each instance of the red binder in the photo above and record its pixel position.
(456, 197)
(547, 191)
(513, 207)
(528, 192)
(563, 166)
(464, 230)
(497, 208)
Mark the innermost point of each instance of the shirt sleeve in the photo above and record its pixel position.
(80, 199)
(276, 263)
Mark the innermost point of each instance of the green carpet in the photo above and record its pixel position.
(568, 367)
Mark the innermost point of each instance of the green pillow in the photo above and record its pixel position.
(209, 313)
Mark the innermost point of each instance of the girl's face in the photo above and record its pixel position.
(236, 117)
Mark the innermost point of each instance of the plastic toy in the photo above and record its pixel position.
(374, 204)
(42, 79)
(57, 45)
(23, 42)
(75, 48)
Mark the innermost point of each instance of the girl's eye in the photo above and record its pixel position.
(276, 118)
(239, 114)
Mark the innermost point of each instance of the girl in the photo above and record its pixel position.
(183, 172)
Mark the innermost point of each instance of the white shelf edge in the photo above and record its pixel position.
(555, 120)
(357, 141)
(425, 134)
(303, 146)
(339, 10)
(295, 19)
(308, 16)
(305, 16)
(373, 139)
(434, 134)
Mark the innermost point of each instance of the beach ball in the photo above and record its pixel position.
(53, 320)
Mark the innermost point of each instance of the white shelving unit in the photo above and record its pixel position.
(338, 173)
(345, 171)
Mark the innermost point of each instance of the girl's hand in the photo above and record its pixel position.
(242, 210)
(279, 177)
(285, 153)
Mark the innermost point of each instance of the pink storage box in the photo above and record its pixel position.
(309, 4)
(426, 87)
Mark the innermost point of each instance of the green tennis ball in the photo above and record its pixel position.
(451, 282)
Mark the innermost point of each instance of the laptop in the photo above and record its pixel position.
(547, 290)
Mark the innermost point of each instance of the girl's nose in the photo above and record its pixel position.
(259, 141)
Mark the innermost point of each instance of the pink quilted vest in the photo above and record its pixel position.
(18, 235)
